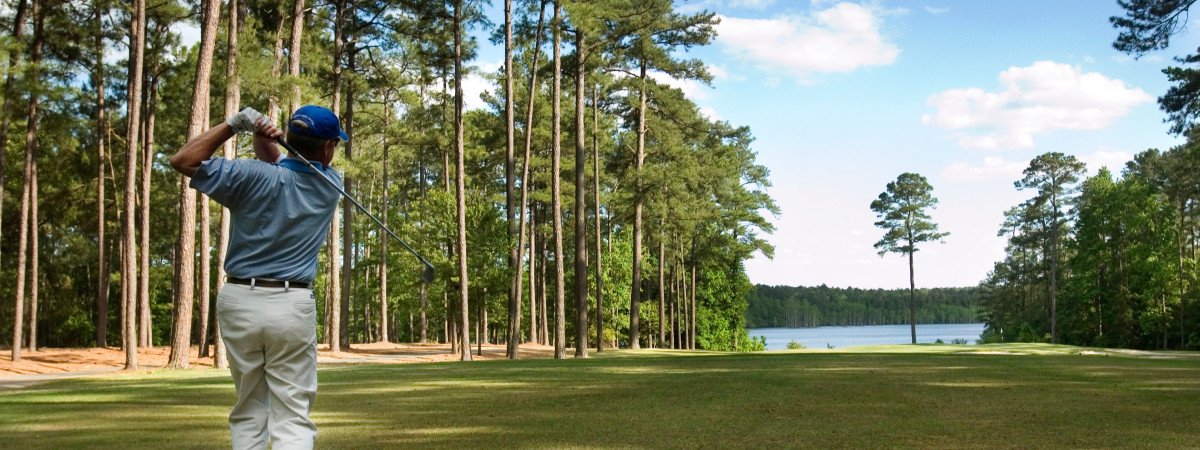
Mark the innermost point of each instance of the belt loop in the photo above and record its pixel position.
(286, 285)
(252, 283)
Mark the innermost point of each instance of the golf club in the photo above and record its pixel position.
(426, 274)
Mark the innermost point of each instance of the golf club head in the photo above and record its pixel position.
(427, 274)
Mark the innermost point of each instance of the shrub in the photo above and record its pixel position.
(959, 341)
(793, 345)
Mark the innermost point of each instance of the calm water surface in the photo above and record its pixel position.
(839, 337)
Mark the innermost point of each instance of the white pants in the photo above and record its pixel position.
(271, 339)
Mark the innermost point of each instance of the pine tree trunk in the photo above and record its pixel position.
(912, 296)
(535, 330)
(348, 247)
(144, 331)
(422, 293)
(662, 293)
(580, 212)
(383, 237)
(460, 182)
(294, 55)
(276, 66)
(560, 326)
(514, 252)
(133, 115)
(28, 220)
(596, 191)
(197, 123)
(102, 273)
(636, 289)
(515, 331)
(692, 293)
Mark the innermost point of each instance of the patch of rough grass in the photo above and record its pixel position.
(932, 396)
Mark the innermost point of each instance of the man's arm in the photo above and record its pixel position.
(265, 148)
(188, 159)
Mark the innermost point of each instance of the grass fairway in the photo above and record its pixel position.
(894, 396)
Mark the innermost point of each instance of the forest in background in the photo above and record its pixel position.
(1110, 260)
(587, 204)
(816, 306)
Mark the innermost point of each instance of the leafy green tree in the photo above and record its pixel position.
(1148, 25)
(902, 210)
(1054, 176)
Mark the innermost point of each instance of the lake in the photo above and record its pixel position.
(839, 337)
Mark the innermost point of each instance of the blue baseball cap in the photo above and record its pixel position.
(322, 123)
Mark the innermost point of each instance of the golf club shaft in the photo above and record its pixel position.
(352, 200)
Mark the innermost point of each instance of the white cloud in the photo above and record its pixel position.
(692, 89)
(933, 10)
(717, 72)
(711, 113)
(993, 167)
(756, 4)
(1037, 99)
(842, 38)
(476, 83)
(1114, 161)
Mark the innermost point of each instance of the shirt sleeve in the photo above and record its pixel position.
(222, 180)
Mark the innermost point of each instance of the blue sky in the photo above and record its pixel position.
(842, 97)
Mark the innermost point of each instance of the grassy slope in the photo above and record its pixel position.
(871, 397)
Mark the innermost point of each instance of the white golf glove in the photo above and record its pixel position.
(243, 121)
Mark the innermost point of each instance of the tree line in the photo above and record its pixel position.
(816, 306)
(1109, 260)
(663, 204)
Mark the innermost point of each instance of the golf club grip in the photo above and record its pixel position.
(352, 200)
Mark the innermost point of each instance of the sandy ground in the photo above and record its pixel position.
(59, 360)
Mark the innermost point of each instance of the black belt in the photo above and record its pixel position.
(262, 282)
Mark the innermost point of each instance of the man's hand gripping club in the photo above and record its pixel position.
(188, 159)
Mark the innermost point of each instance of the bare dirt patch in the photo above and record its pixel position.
(57, 360)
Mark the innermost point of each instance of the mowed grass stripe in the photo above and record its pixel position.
(659, 399)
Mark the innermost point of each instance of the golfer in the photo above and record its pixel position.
(281, 214)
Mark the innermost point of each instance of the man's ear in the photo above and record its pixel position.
(329, 148)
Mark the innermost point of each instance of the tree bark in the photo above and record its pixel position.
(276, 67)
(636, 290)
(514, 252)
(560, 326)
(460, 182)
(197, 123)
(383, 287)
(912, 294)
(103, 273)
(515, 332)
(294, 55)
(581, 244)
(422, 293)
(596, 191)
(662, 293)
(137, 47)
(692, 293)
(348, 247)
(144, 324)
(31, 144)
(28, 223)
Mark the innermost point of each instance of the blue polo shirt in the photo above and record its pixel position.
(281, 214)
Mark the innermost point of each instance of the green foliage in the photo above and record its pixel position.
(1124, 263)
(901, 210)
(787, 306)
(793, 345)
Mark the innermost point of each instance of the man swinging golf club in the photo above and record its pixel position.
(281, 212)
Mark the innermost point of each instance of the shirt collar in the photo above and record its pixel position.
(297, 165)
